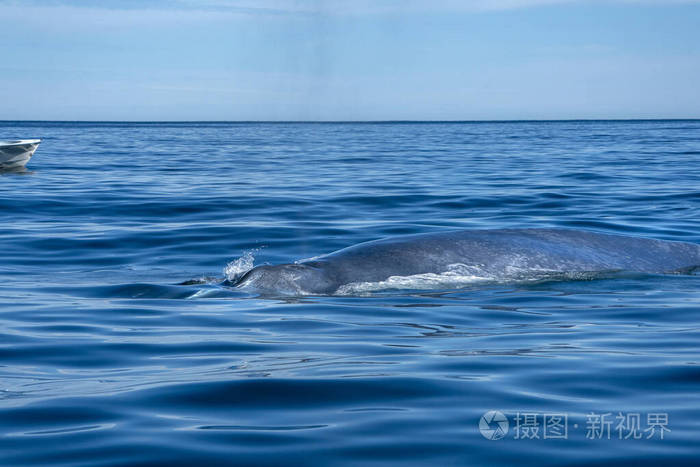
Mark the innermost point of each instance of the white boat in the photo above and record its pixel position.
(16, 154)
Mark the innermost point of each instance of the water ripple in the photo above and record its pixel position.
(119, 345)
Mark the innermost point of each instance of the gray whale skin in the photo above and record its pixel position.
(499, 255)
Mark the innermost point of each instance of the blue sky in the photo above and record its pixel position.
(349, 60)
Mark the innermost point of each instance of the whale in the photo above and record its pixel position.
(451, 258)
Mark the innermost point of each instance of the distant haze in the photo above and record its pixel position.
(345, 60)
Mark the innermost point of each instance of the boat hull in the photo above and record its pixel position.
(16, 154)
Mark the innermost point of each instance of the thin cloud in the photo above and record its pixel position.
(330, 7)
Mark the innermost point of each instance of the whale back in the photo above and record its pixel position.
(494, 251)
(497, 255)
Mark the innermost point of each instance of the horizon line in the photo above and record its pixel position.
(534, 120)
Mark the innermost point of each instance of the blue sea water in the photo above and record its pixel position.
(105, 360)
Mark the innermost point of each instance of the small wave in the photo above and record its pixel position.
(236, 268)
(306, 260)
(130, 290)
(204, 280)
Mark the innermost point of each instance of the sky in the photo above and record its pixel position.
(162, 60)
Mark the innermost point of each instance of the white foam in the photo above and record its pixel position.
(457, 276)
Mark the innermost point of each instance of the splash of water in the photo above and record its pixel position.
(240, 266)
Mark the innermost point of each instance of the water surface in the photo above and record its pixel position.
(105, 360)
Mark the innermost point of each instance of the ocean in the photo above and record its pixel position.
(107, 359)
